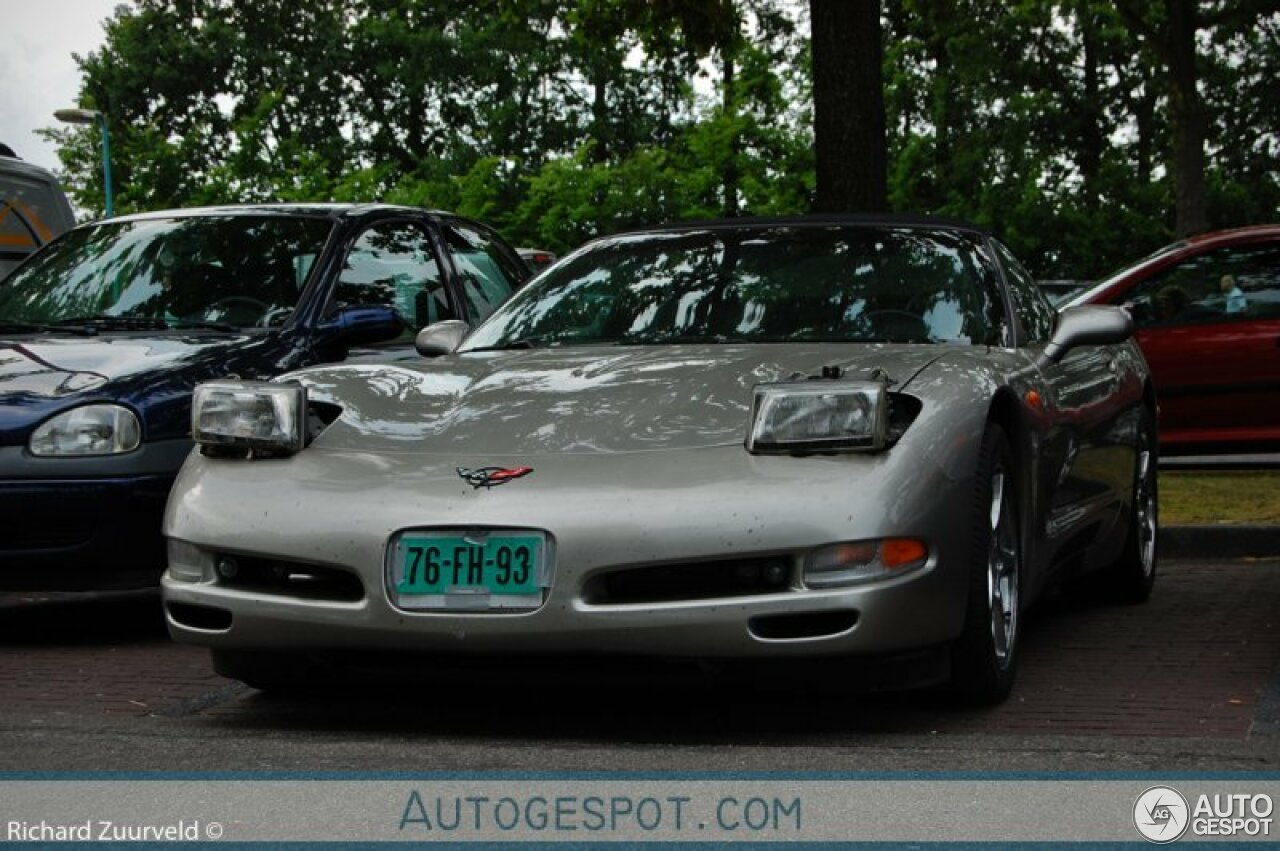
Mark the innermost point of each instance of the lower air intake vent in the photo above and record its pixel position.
(801, 626)
(288, 578)
(690, 581)
(208, 618)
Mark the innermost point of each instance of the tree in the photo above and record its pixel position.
(1244, 143)
(1170, 29)
(1053, 122)
(848, 106)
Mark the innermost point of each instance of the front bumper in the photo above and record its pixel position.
(604, 513)
(84, 524)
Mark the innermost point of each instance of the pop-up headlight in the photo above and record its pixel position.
(249, 417)
(818, 416)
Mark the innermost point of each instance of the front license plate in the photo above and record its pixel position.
(468, 570)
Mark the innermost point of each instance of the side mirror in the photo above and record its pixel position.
(1087, 325)
(442, 338)
(361, 324)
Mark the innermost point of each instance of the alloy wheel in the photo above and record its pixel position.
(1002, 572)
(1145, 498)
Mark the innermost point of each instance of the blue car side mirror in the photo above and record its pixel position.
(361, 324)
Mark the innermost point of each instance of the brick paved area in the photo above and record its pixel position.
(1196, 661)
(103, 654)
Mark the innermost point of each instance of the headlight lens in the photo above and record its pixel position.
(818, 416)
(863, 561)
(87, 430)
(250, 417)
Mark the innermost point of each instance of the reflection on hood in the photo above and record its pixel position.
(577, 399)
(52, 369)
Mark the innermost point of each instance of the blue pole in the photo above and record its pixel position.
(106, 164)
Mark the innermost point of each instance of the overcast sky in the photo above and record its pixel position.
(37, 73)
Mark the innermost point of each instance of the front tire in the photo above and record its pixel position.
(984, 659)
(1133, 575)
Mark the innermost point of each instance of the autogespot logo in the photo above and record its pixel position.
(1161, 814)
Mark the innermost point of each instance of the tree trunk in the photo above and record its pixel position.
(601, 132)
(943, 105)
(848, 106)
(1144, 115)
(1187, 113)
(1175, 43)
(729, 177)
(1091, 141)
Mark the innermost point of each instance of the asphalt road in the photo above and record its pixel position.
(1188, 682)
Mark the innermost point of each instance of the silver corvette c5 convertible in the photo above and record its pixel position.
(768, 439)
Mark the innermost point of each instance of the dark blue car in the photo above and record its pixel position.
(104, 333)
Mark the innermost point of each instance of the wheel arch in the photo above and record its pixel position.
(1007, 412)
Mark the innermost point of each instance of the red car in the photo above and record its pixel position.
(1207, 311)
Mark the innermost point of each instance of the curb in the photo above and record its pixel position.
(1219, 541)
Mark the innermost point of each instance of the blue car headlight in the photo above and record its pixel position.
(101, 429)
(818, 416)
(249, 417)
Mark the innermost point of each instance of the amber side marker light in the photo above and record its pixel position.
(855, 562)
(895, 552)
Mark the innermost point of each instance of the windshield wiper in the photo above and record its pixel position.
(546, 342)
(522, 343)
(205, 324)
(102, 320)
(17, 326)
(678, 339)
(141, 323)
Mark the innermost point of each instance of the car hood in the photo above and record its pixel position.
(587, 399)
(56, 368)
(41, 375)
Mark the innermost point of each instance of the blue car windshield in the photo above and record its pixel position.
(229, 270)
(838, 283)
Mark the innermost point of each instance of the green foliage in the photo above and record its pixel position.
(556, 120)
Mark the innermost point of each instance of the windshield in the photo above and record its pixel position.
(230, 270)
(852, 283)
